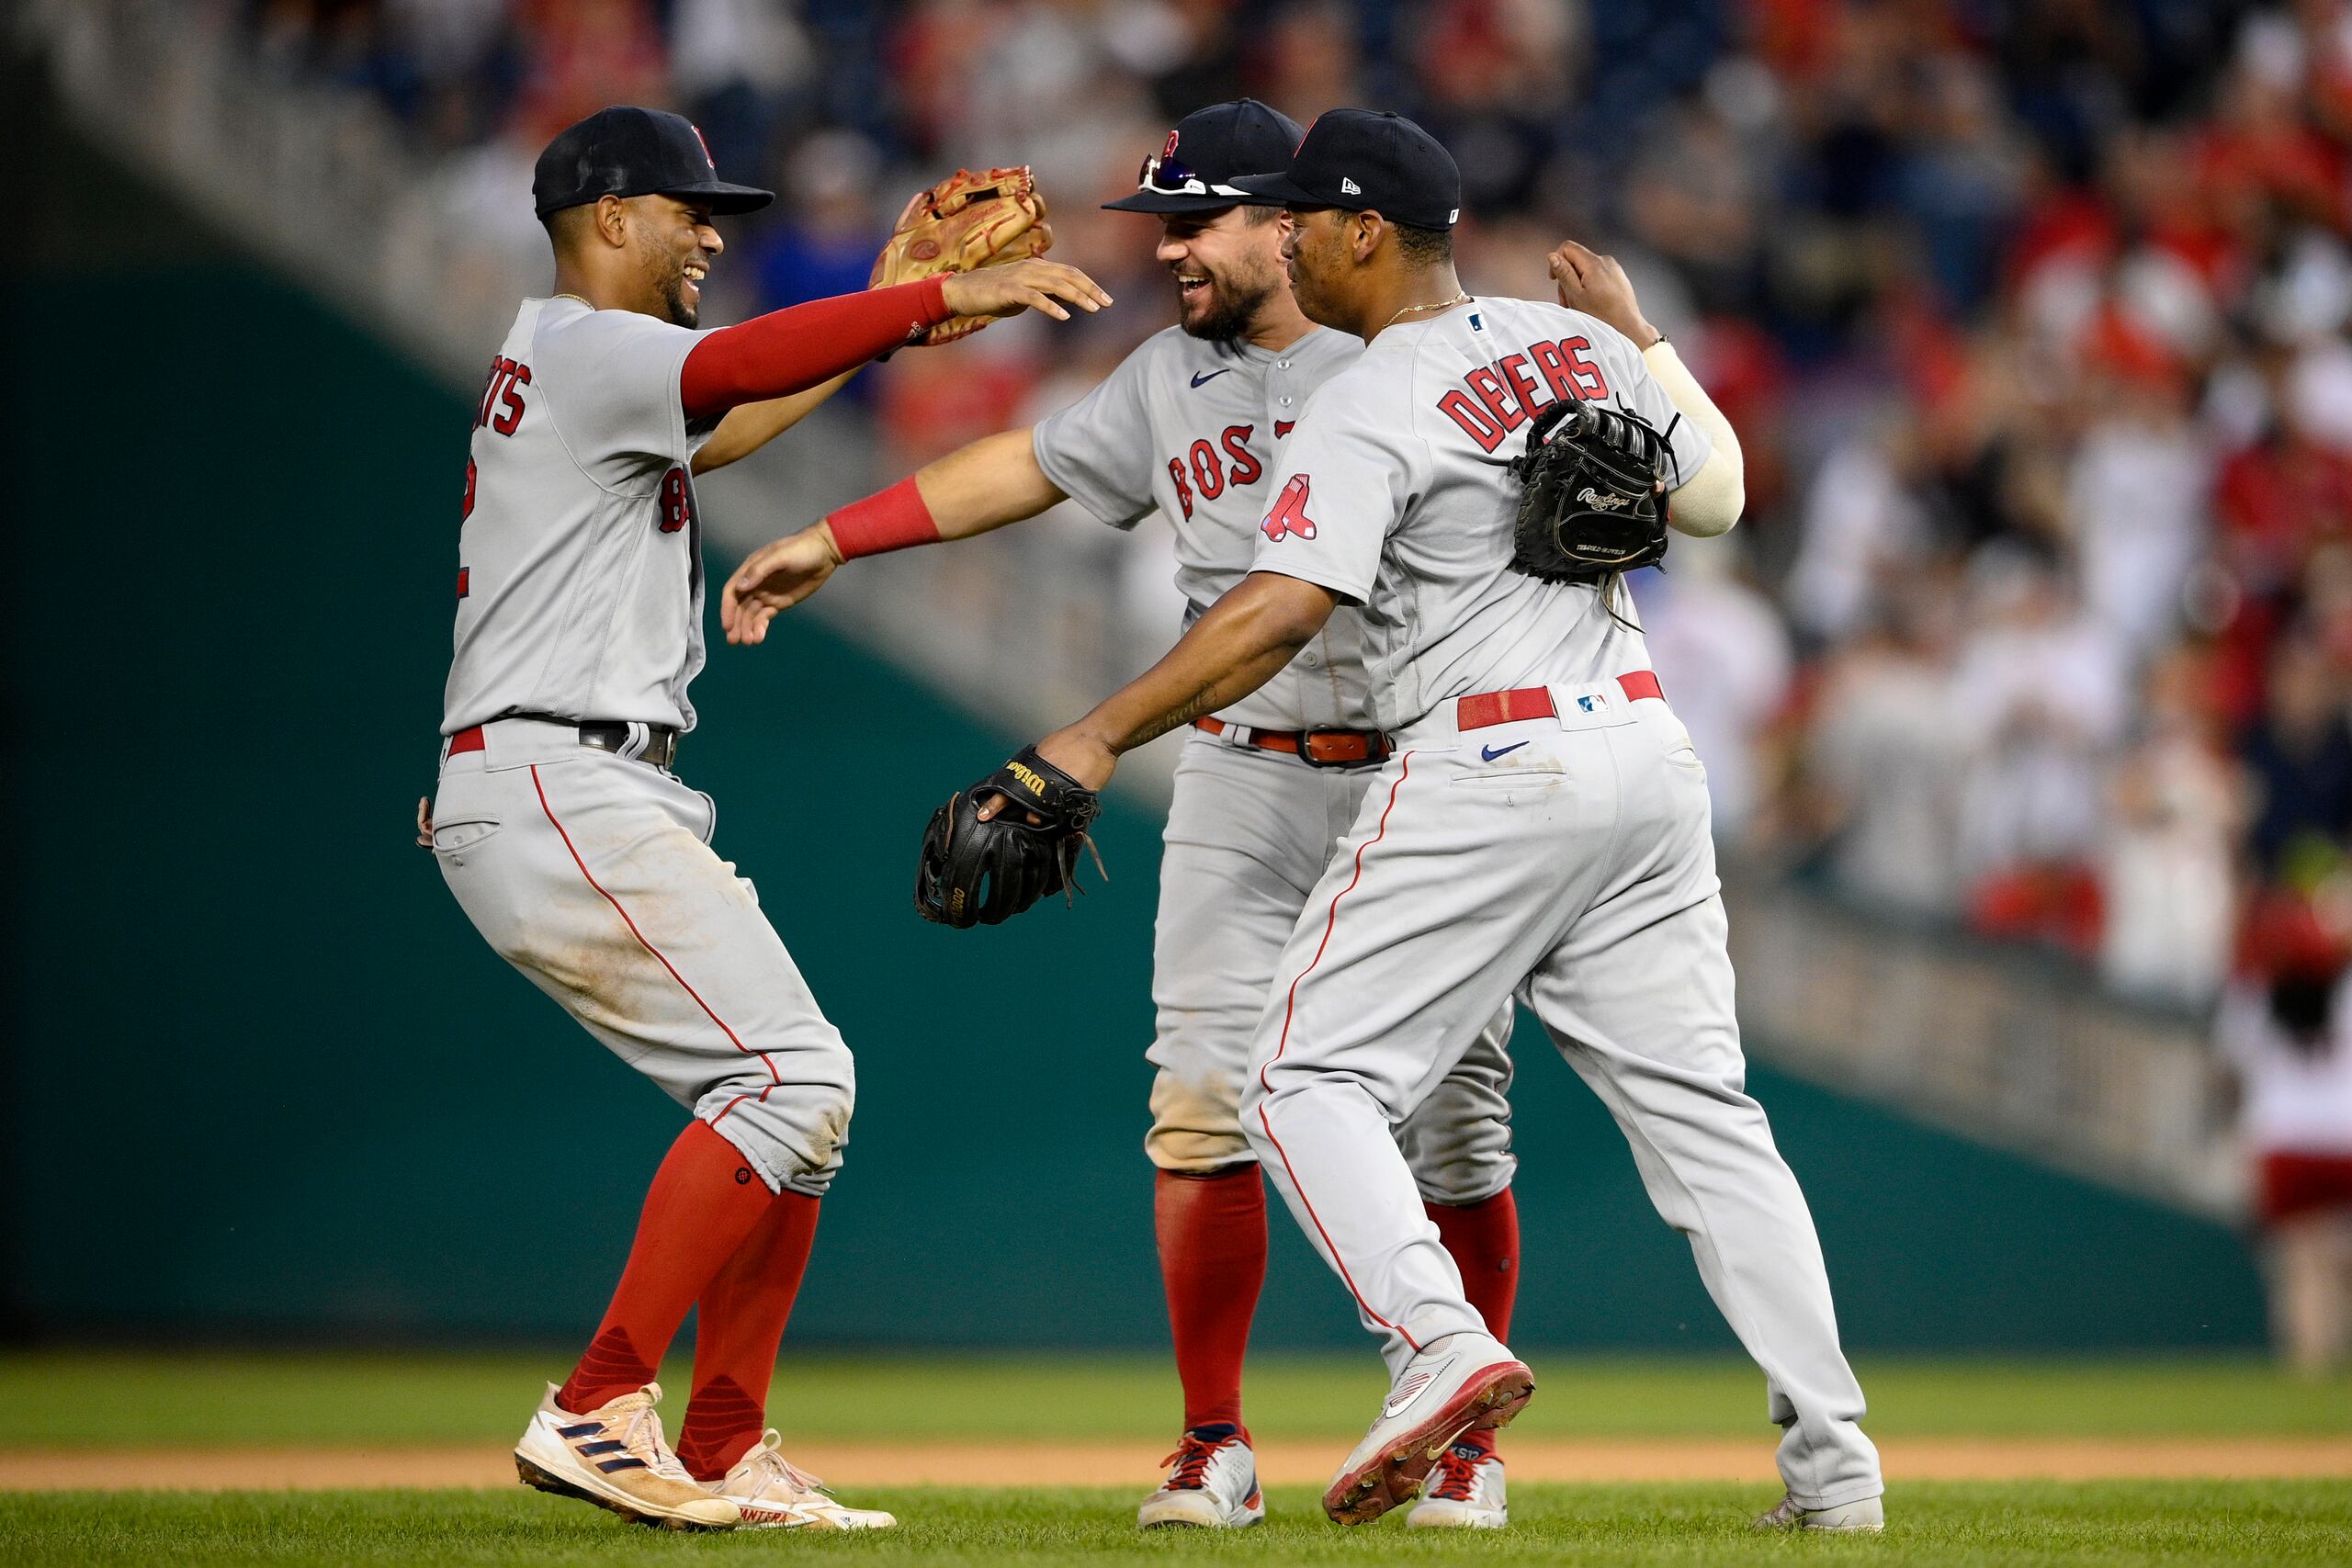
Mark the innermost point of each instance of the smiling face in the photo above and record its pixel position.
(1228, 267)
(675, 244)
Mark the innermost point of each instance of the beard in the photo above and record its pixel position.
(673, 300)
(667, 271)
(1233, 308)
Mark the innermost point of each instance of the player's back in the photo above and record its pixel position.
(1397, 492)
(578, 588)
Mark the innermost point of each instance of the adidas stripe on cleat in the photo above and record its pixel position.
(615, 1456)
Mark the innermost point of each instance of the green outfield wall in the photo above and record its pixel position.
(261, 1076)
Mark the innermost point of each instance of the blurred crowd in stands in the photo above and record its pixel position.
(2031, 313)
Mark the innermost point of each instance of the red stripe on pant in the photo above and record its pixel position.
(1290, 1007)
(733, 1038)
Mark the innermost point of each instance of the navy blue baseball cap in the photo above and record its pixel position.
(625, 150)
(1369, 161)
(1195, 167)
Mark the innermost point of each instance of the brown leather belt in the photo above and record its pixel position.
(1316, 748)
(1535, 702)
(651, 743)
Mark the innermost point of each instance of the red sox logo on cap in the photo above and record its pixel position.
(704, 145)
(1168, 151)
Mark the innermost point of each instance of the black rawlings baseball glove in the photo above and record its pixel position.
(1594, 504)
(974, 873)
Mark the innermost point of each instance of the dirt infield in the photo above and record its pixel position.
(1125, 1464)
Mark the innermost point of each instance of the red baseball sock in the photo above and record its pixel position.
(1212, 1234)
(737, 1326)
(1484, 1239)
(703, 1203)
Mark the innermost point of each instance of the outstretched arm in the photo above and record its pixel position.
(1710, 500)
(977, 487)
(800, 348)
(751, 426)
(1245, 641)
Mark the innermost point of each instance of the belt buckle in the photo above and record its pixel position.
(618, 736)
(1337, 749)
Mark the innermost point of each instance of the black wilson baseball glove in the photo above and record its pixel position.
(1594, 504)
(975, 873)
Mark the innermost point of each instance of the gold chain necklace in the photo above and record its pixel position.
(1434, 305)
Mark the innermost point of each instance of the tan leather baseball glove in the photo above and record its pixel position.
(972, 218)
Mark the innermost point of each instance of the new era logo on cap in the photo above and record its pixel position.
(1366, 160)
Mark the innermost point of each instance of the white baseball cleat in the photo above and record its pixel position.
(1865, 1517)
(1465, 1493)
(772, 1493)
(615, 1456)
(1212, 1484)
(1463, 1383)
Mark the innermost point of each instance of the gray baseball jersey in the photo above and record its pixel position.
(1191, 430)
(581, 597)
(1564, 857)
(579, 576)
(1392, 492)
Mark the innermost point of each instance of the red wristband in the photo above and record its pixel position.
(892, 520)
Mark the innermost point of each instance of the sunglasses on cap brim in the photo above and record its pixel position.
(1165, 176)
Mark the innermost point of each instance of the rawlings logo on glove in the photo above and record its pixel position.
(1594, 504)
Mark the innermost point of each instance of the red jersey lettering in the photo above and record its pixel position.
(1555, 367)
(501, 406)
(1208, 474)
(1588, 382)
(511, 401)
(1247, 469)
(1489, 388)
(1502, 396)
(677, 501)
(1481, 425)
(1183, 490)
(1524, 391)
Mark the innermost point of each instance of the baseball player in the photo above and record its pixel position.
(1541, 826)
(1190, 427)
(580, 855)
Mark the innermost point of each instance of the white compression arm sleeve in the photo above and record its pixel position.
(1710, 500)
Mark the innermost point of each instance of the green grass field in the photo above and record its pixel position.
(87, 1400)
(2283, 1523)
(75, 1399)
